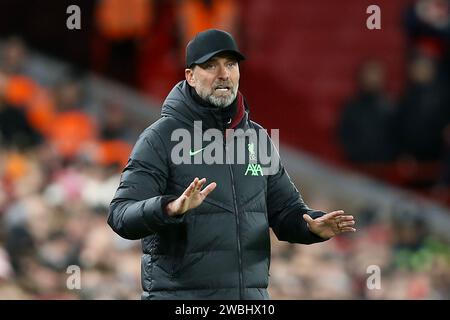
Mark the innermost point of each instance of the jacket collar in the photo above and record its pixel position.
(181, 105)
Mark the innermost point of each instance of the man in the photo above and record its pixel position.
(210, 242)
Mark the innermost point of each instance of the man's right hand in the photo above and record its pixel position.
(191, 198)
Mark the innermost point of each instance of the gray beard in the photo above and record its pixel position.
(221, 102)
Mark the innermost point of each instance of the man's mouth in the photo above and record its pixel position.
(222, 88)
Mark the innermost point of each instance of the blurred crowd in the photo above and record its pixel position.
(411, 131)
(59, 167)
(390, 257)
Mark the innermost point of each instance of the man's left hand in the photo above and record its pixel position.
(330, 224)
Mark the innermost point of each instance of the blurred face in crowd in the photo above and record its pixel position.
(372, 77)
(434, 12)
(69, 95)
(13, 55)
(216, 80)
(422, 70)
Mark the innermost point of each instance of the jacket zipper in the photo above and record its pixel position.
(241, 288)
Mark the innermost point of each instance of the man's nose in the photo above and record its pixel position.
(224, 73)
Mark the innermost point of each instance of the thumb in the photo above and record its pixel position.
(308, 218)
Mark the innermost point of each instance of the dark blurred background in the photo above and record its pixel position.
(363, 116)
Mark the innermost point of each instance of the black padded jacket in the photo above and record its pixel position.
(221, 249)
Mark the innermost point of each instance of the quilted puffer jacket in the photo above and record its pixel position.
(221, 249)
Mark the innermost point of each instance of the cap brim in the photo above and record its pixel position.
(208, 56)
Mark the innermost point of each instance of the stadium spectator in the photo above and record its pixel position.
(422, 113)
(114, 123)
(73, 130)
(121, 25)
(366, 123)
(15, 129)
(427, 24)
(13, 56)
(197, 15)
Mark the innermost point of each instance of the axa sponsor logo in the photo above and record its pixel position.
(255, 169)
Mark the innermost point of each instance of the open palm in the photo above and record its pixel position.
(191, 198)
(330, 224)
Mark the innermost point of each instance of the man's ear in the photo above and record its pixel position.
(189, 74)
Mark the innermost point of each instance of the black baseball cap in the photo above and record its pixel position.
(207, 44)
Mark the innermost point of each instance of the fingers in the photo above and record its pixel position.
(191, 188)
(332, 215)
(308, 218)
(345, 221)
(200, 184)
(346, 224)
(209, 188)
(344, 218)
(196, 186)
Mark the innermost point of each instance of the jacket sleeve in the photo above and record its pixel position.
(137, 209)
(285, 208)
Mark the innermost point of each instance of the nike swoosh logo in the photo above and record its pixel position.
(193, 153)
